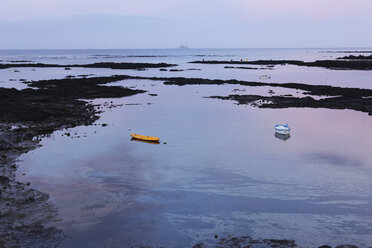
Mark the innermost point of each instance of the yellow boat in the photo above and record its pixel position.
(145, 141)
(146, 138)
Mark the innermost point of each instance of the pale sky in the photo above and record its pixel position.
(196, 23)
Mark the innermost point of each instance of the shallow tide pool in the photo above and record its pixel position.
(222, 171)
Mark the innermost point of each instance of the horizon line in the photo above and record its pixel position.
(189, 48)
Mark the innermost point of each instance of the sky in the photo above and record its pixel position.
(110, 24)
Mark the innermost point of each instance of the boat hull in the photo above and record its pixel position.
(145, 138)
(282, 129)
(282, 132)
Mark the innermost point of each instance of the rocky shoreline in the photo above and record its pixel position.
(51, 105)
(109, 65)
(280, 102)
(343, 63)
(246, 241)
(24, 211)
(247, 68)
(360, 57)
(26, 115)
(336, 97)
(328, 64)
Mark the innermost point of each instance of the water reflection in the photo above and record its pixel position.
(333, 159)
(220, 173)
(282, 136)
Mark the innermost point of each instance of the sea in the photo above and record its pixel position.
(219, 168)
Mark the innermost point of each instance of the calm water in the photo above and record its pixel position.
(222, 171)
(280, 74)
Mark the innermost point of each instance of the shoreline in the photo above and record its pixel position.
(27, 210)
(327, 64)
(109, 65)
(337, 97)
(25, 116)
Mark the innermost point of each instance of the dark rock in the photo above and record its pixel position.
(280, 243)
(200, 245)
(3, 179)
(51, 105)
(110, 65)
(245, 68)
(361, 64)
(342, 98)
(35, 104)
(360, 57)
(355, 103)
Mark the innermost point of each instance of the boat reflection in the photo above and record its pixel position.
(144, 141)
(282, 136)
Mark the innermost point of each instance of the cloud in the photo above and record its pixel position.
(311, 9)
(168, 23)
(16, 9)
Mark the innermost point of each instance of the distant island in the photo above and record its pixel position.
(184, 47)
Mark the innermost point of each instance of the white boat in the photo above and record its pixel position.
(265, 77)
(282, 129)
